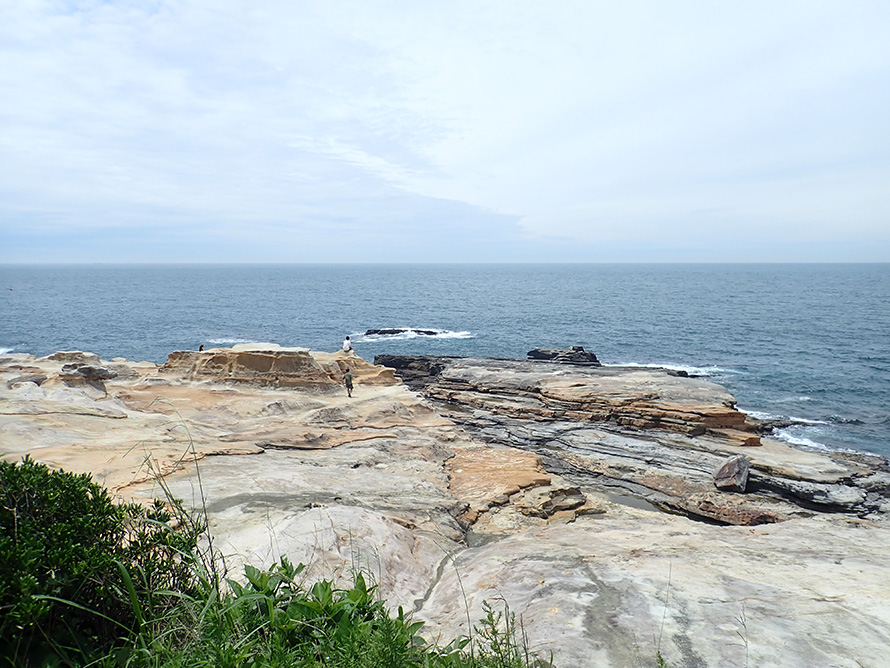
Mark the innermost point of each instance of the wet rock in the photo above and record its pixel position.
(416, 371)
(400, 330)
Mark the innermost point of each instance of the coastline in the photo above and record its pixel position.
(463, 481)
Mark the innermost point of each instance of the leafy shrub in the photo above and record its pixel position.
(87, 581)
(77, 571)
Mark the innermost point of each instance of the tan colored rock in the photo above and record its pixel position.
(653, 433)
(483, 476)
(74, 357)
(391, 475)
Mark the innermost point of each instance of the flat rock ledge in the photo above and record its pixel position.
(650, 434)
(273, 365)
(530, 483)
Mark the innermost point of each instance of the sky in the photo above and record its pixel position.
(421, 131)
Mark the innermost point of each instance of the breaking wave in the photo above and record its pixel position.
(701, 371)
(761, 415)
(3, 350)
(799, 441)
(230, 340)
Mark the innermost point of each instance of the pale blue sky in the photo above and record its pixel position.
(289, 131)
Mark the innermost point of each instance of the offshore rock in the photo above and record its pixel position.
(400, 330)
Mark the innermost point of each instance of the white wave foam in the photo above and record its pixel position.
(406, 333)
(3, 351)
(804, 442)
(760, 415)
(691, 370)
(802, 398)
(783, 435)
(232, 340)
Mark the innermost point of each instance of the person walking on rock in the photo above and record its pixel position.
(347, 378)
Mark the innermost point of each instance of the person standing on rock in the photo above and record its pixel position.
(347, 378)
(347, 345)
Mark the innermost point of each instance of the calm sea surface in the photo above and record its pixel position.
(810, 342)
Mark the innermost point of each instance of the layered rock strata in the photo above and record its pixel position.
(648, 433)
(273, 365)
(432, 502)
(574, 355)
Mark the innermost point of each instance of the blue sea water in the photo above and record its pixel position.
(808, 342)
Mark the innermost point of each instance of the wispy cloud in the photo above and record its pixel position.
(692, 130)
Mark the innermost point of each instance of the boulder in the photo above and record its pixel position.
(415, 371)
(574, 355)
(732, 476)
(87, 372)
(74, 357)
(36, 378)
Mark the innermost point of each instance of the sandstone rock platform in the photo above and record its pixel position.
(533, 483)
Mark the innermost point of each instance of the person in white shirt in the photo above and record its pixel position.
(347, 345)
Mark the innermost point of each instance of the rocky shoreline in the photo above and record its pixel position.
(654, 434)
(541, 483)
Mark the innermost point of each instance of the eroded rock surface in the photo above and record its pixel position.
(532, 488)
(273, 365)
(650, 433)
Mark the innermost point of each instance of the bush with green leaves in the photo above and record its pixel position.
(85, 581)
(273, 621)
(78, 572)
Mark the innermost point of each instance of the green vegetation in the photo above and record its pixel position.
(84, 581)
(77, 572)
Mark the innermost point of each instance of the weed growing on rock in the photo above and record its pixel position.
(78, 571)
(84, 581)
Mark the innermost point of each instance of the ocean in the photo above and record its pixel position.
(809, 343)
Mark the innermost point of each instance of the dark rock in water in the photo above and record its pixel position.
(733, 475)
(393, 332)
(574, 355)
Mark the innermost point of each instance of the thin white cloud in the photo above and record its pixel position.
(404, 122)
